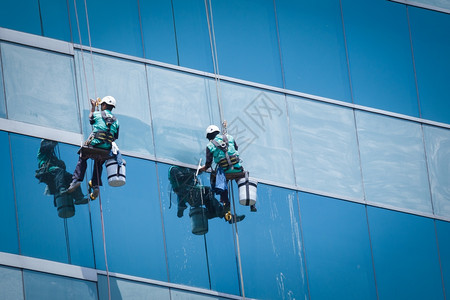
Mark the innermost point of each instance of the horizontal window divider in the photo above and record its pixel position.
(36, 41)
(37, 131)
(423, 5)
(47, 266)
(90, 274)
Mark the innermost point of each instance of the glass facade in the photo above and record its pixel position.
(342, 119)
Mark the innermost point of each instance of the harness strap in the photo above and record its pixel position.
(224, 148)
(104, 136)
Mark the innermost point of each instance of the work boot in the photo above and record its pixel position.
(73, 186)
(236, 218)
(94, 191)
(79, 198)
(253, 208)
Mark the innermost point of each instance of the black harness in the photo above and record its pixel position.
(230, 160)
(105, 135)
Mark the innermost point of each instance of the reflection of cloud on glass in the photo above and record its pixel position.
(52, 172)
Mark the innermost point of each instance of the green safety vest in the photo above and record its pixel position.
(100, 125)
(219, 148)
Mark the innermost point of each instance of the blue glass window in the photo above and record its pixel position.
(2, 93)
(126, 81)
(443, 232)
(21, 16)
(273, 264)
(186, 252)
(247, 43)
(313, 49)
(182, 108)
(431, 43)
(336, 241)
(125, 289)
(159, 31)
(437, 145)
(8, 223)
(11, 287)
(191, 29)
(132, 223)
(393, 162)
(405, 255)
(380, 59)
(257, 121)
(40, 87)
(43, 234)
(325, 148)
(55, 19)
(113, 25)
(45, 286)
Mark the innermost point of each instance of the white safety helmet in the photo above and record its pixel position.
(109, 100)
(211, 129)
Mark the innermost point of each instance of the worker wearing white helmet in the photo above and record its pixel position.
(223, 150)
(105, 130)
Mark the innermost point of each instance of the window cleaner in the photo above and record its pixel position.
(223, 150)
(98, 146)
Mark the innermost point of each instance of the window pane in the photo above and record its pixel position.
(42, 232)
(55, 19)
(21, 16)
(132, 219)
(246, 37)
(186, 252)
(312, 45)
(46, 286)
(40, 87)
(220, 245)
(8, 223)
(182, 108)
(125, 289)
(273, 265)
(257, 121)
(113, 25)
(158, 31)
(325, 148)
(11, 287)
(336, 241)
(443, 232)
(126, 81)
(405, 255)
(2, 92)
(431, 42)
(381, 67)
(193, 42)
(437, 145)
(393, 162)
(186, 295)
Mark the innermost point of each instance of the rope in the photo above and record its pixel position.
(103, 230)
(212, 42)
(237, 242)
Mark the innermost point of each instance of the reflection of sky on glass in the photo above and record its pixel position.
(126, 81)
(271, 247)
(40, 87)
(437, 143)
(257, 120)
(393, 162)
(182, 108)
(325, 148)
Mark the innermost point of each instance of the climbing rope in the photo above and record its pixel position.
(212, 43)
(88, 97)
(237, 242)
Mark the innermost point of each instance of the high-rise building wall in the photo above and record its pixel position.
(341, 111)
